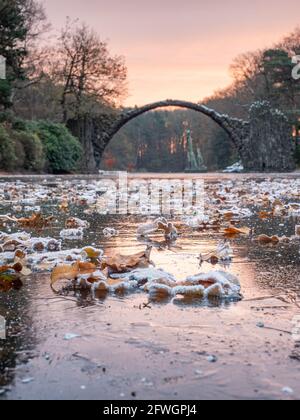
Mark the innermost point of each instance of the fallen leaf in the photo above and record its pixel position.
(265, 239)
(169, 229)
(158, 225)
(10, 278)
(122, 263)
(265, 214)
(232, 231)
(228, 216)
(92, 253)
(277, 203)
(210, 258)
(64, 206)
(75, 223)
(36, 221)
(71, 272)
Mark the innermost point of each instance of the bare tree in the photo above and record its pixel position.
(87, 72)
(245, 70)
(291, 43)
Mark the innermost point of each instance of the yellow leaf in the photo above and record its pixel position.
(92, 252)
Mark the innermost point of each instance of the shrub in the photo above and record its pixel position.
(62, 150)
(8, 159)
(5, 93)
(37, 146)
(20, 150)
(18, 124)
(7, 117)
(297, 155)
(32, 150)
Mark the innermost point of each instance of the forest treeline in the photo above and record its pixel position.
(52, 79)
(48, 81)
(153, 141)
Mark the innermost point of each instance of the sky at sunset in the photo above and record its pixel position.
(180, 49)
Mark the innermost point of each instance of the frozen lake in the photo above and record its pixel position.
(74, 345)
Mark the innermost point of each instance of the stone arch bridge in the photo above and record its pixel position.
(263, 141)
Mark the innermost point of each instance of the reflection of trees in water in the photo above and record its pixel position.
(295, 355)
(277, 266)
(20, 340)
(207, 303)
(275, 256)
(160, 245)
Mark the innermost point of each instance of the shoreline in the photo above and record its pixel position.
(151, 175)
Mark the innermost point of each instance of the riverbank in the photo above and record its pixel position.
(137, 175)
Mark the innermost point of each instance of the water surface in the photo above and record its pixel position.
(127, 350)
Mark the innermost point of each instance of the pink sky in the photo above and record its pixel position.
(180, 49)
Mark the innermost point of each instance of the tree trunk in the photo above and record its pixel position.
(83, 129)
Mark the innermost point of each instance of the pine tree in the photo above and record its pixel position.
(13, 32)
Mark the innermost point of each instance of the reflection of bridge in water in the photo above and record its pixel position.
(264, 142)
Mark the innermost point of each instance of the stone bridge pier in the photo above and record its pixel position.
(264, 141)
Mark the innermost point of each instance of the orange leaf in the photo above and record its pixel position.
(37, 221)
(71, 272)
(265, 239)
(233, 231)
(121, 263)
(265, 214)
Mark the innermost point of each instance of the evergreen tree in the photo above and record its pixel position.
(13, 32)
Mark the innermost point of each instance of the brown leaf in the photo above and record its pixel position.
(232, 231)
(210, 258)
(36, 221)
(11, 245)
(158, 225)
(265, 214)
(205, 283)
(10, 278)
(228, 216)
(71, 272)
(122, 263)
(64, 206)
(265, 239)
(277, 203)
(72, 223)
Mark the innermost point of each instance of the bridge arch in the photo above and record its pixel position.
(232, 126)
(264, 141)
